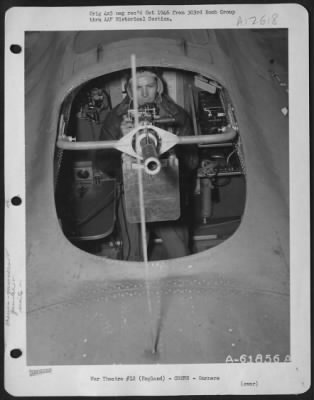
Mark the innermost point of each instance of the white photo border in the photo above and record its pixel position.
(293, 377)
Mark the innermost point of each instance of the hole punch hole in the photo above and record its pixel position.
(16, 201)
(15, 48)
(16, 353)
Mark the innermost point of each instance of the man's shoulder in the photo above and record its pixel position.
(111, 124)
(120, 109)
(171, 107)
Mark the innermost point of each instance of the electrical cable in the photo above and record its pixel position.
(230, 155)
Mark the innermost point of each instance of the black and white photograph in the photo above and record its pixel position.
(161, 201)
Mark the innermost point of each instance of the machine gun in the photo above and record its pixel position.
(150, 144)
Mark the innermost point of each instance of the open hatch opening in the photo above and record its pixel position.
(96, 205)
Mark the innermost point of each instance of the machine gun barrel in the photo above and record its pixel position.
(150, 157)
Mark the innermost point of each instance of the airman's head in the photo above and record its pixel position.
(148, 86)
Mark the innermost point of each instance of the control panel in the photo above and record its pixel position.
(220, 161)
(212, 116)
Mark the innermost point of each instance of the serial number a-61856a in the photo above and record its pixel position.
(258, 358)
